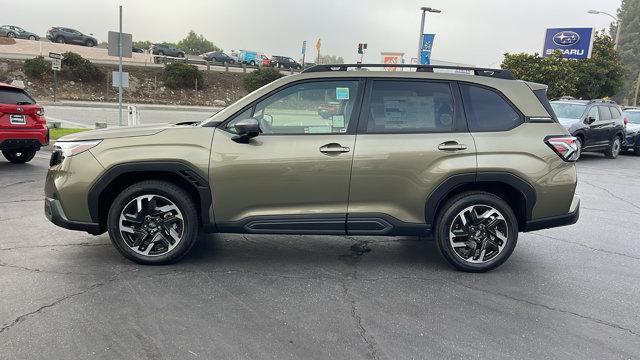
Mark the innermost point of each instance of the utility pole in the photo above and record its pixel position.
(425, 10)
(618, 25)
(120, 71)
(635, 98)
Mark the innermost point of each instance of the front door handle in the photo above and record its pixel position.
(451, 146)
(334, 148)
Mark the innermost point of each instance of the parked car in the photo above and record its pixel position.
(12, 31)
(219, 57)
(65, 35)
(264, 61)
(598, 125)
(166, 50)
(285, 62)
(249, 57)
(632, 141)
(23, 128)
(327, 110)
(472, 167)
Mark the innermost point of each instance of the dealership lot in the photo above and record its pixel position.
(565, 293)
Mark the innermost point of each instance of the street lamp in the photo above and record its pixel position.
(425, 10)
(617, 21)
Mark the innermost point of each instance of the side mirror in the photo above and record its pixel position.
(590, 120)
(246, 129)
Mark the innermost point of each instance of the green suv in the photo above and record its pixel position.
(471, 159)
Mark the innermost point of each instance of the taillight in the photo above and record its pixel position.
(40, 111)
(565, 146)
(626, 121)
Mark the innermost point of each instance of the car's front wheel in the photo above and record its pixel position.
(11, 35)
(614, 148)
(32, 38)
(476, 231)
(19, 156)
(153, 222)
(60, 40)
(90, 43)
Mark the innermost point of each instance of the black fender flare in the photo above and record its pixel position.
(441, 192)
(186, 172)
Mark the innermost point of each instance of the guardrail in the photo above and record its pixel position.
(163, 59)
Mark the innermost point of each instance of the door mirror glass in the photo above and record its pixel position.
(246, 129)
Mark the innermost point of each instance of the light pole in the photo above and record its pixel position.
(425, 10)
(618, 25)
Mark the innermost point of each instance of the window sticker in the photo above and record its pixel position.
(318, 130)
(342, 93)
(337, 121)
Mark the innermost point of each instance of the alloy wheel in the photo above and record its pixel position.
(151, 225)
(615, 148)
(478, 234)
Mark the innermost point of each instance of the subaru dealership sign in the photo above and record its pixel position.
(575, 43)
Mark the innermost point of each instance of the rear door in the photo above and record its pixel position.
(294, 177)
(17, 109)
(411, 137)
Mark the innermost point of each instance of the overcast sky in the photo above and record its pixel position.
(476, 32)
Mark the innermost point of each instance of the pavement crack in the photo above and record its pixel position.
(18, 183)
(611, 193)
(53, 245)
(40, 271)
(587, 246)
(357, 318)
(19, 201)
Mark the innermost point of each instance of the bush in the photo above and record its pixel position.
(4, 75)
(36, 67)
(260, 78)
(181, 75)
(78, 68)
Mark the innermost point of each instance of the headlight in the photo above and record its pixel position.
(71, 148)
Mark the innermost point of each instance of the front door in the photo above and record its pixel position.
(294, 177)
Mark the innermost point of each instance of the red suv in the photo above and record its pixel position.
(23, 128)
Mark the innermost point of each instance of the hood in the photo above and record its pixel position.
(633, 127)
(567, 122)
(116, 132)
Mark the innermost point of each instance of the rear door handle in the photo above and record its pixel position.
(334, 148)
(451, 146)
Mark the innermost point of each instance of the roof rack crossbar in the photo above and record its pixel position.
(495, 73)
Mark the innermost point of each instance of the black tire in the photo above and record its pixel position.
(60, 40)
(180, 55)
(579, 145)
(181, 199)
(90, 43)
(19, 156)
(252, 63)
(615, 145)
(160, 53)
(636, 151)
(32, 38)
(11, 35)
(448, 214)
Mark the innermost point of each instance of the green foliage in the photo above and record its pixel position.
(35, 68)
(4, 75)
(144, 45)
(103, 45)
(629, 45)
(181, 75)
(260, 78)
(331, 59)
(75, 67)
(195, 44)
(598, 77)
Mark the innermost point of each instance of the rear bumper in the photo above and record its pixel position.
(53, 211)
(556, 221)
(24, 138)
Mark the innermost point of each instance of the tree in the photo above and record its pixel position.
(144, 44)
(331, 59)
(629, 45)
(598, 77)
(260, 78)
(196, 44)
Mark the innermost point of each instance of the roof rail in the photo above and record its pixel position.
(607, 101)
(495, 73)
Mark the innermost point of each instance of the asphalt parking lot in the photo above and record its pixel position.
(565, 293)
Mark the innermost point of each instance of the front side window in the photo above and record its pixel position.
(594, 113)
(410, 106)
(322, 107)
(488, 111)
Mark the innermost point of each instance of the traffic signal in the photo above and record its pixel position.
(360, 48)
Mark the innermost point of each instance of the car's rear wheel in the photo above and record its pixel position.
(60, 40)
(19, 156)
(180, 55)
(153, 222)
(614, 148)
(11, 35)
(160, 53)
(476, 231)
(579, 147)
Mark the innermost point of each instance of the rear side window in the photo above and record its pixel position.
(605, 113)
(615, 113)
(410, 107)
(15, 97)
(487, 110)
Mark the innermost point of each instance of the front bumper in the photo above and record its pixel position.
(569, 218)
(53, 211)
(632, 141)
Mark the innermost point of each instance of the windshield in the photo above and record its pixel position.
(633, 117)
(568, 110)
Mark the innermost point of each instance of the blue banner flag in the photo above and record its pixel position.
(425, 50)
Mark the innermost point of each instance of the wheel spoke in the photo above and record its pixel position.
(478, 233)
